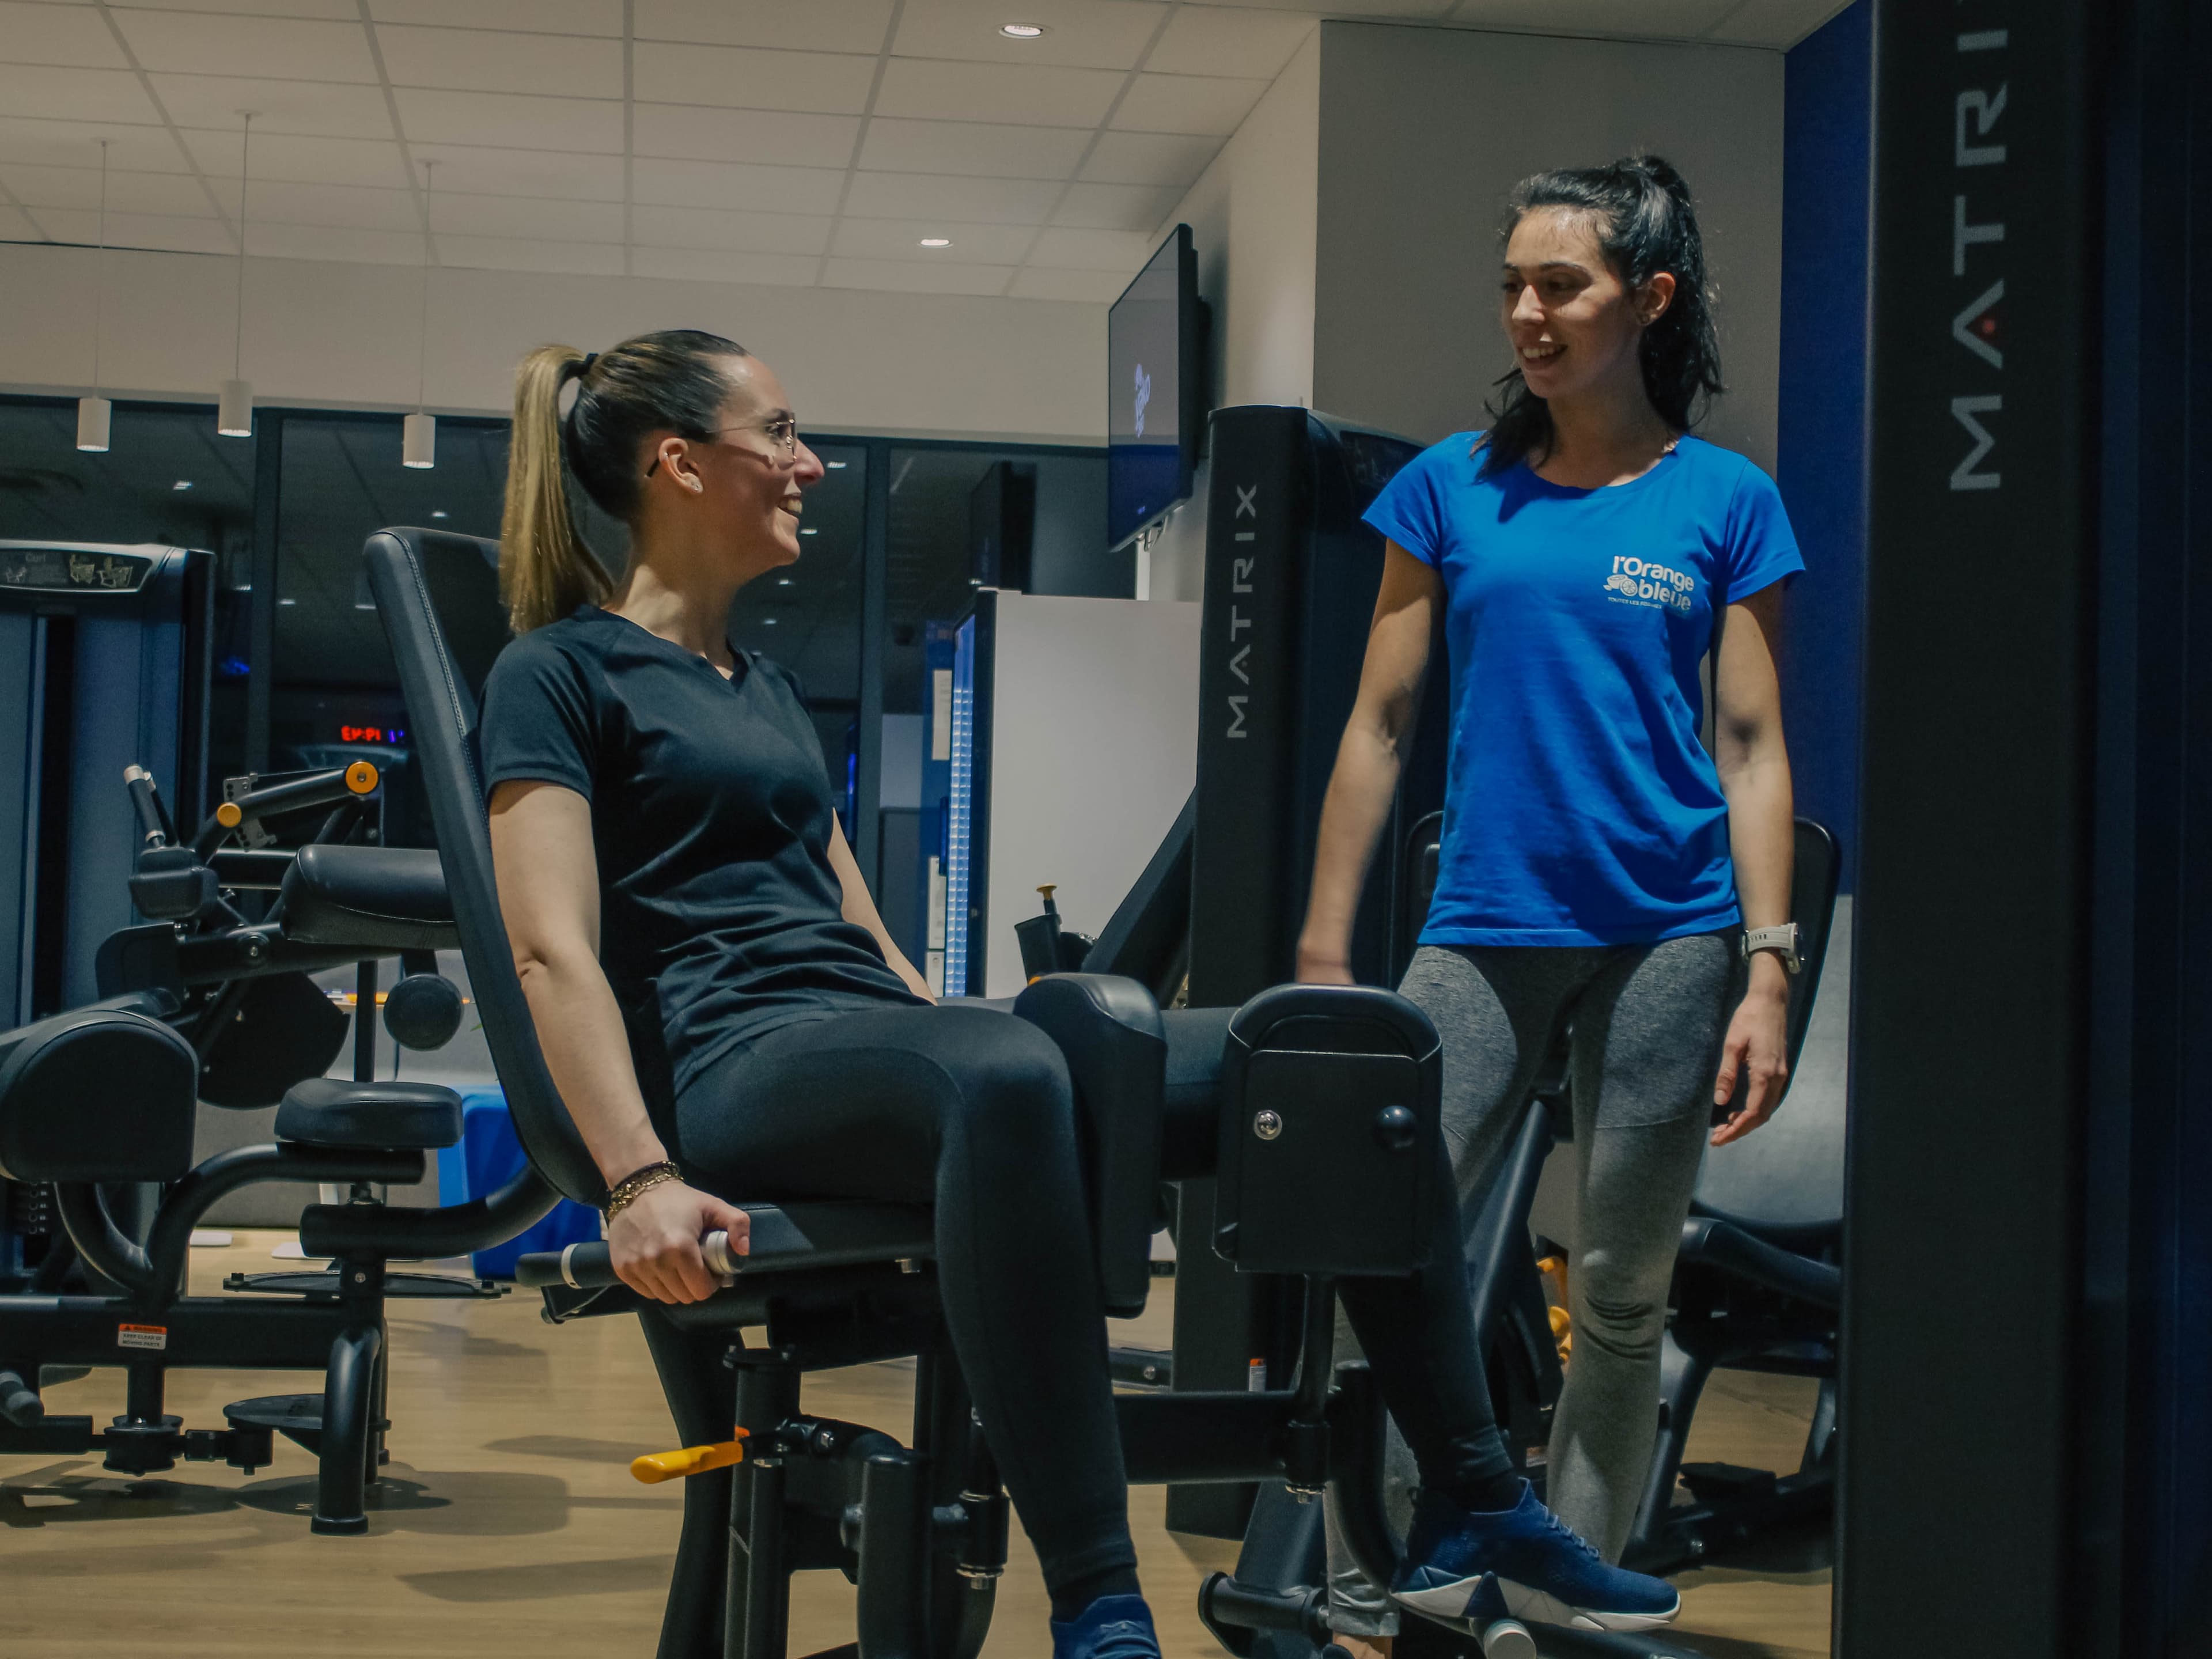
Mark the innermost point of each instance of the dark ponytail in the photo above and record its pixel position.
(672, 381)
(1645, 223)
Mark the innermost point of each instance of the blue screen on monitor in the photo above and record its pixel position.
(1145, 473)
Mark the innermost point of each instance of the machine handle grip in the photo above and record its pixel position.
(656, 1467)
(147, 802)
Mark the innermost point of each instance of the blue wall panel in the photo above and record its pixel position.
(1821, 441)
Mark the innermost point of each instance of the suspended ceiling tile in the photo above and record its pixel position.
(77, 144)
(1117, 207)
(603, 17)
(214, 101)
(1777, 23)
(301, 159)
(1203, 104)
(1220, 41)
(931, 91)
(748, 232)
(74, 94)
(1092, 287)
(737, 186)
(694, 264)
(332, 11)
(175, 232)
(1078, 34)
(525, 216)
(831, 82)
(1150, 158)
(971, 201)
(901, 239)
(999, 152)
(521, 253)
(1093, 249)
(75, 35)
(321, 204)
(815, 26)
(506, 118)
(505, 60)
(293, 49)
(468, 169)
(353, 244)
(1418, 11)
(1649, 20)
(770, 137)
(127, 193)
(915, 277)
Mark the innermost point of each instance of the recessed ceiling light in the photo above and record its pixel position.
(287, 601)
(770, 621)
(182, 484)
(810, 531)
(937, 241)
(1021, 31)
(837, 466)
(437, 512)
(783, 581)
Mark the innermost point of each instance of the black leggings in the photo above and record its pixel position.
(971, 1109)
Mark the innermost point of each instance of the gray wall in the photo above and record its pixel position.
(1422, 131)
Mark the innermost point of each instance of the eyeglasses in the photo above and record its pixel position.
(783, 433)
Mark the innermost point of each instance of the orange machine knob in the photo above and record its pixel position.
(657, 1467)
(228, 816)
(360, 777)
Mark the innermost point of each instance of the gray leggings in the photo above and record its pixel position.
(1647, 1024)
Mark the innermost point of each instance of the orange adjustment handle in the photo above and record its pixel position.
(228, 816)
(656, 1467)
(360, 777)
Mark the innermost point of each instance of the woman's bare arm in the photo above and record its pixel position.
(1753, 764)
(860, 909)
(548, 897)
(1365, 778)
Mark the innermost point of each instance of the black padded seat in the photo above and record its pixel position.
(386, 898)
(329, 1111)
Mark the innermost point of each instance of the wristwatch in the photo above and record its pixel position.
(1782, 940)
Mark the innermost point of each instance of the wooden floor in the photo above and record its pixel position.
(508, 1523)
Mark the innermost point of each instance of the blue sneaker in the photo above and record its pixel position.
(1112, 1627)
(1467, 1568)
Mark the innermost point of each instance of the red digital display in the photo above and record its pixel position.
(371, 734)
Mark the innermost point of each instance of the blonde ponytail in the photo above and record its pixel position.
(545, 569)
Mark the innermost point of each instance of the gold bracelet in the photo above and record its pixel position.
(627, 1191)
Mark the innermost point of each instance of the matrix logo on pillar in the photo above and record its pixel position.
(1240, 581)
(1976, 114)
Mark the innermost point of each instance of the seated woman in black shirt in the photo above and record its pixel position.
(663, 835)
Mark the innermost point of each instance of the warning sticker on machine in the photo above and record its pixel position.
(141, 1336)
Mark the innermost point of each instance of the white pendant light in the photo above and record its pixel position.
(93, 411)
(418, 433)
(234, 417)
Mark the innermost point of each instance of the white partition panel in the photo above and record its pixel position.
(1094, 748)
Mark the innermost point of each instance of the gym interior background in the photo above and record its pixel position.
(922, 221)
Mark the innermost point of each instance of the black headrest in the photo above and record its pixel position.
(434, 588)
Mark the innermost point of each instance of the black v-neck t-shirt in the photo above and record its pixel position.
(711, 818)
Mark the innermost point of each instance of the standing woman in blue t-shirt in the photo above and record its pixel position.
(1598, 864)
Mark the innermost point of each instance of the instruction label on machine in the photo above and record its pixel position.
(141, 1336)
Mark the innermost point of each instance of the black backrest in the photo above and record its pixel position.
(432, 588)
(1147, 938)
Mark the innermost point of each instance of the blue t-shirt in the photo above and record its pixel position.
(1580, 807)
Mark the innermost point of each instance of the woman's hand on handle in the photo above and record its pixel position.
(1755, 1056)
(654, 1243)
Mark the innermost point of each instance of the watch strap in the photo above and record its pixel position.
(1782, 939)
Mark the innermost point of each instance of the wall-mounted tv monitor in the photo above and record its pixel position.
(1156, 410)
